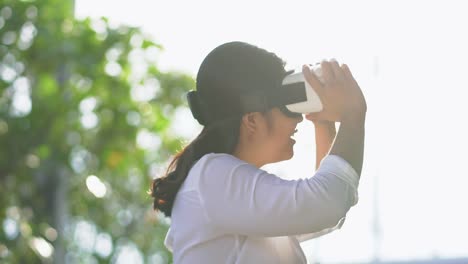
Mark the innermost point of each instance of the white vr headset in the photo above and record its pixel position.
(312, 101)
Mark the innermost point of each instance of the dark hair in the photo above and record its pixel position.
(224, 74)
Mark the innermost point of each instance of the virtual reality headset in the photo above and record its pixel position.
(296, 83)
(293, 97)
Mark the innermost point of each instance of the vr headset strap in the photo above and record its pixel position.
(288, 94)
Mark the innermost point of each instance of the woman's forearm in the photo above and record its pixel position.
(349, 142)
(325, 133)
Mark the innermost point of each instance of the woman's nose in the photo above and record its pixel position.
(300, 118)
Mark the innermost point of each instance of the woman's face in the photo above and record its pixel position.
(277, 143)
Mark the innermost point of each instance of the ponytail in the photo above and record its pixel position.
(220, 137)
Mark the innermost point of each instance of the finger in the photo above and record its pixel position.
(348, 74)
(312, 79)
(327, 71)
(337, 71)
(347, 71)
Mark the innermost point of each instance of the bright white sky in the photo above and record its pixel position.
(410, 58)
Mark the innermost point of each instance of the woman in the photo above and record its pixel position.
(223, 207)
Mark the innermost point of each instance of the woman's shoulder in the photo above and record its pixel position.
(210, 167)
(219, 164)
(220, 158)
(208, 162)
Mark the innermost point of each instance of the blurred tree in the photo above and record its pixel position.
(84, 124)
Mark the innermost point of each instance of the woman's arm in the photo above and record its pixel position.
(349, 143)
(325, 133)
(239, 198)
(343, 101)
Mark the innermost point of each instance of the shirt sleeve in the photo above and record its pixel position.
(241, 199)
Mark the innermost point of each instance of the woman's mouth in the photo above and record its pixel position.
(292, 138)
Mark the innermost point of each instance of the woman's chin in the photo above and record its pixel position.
(292, 142)
(289, 154)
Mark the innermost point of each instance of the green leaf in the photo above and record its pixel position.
(47, 85)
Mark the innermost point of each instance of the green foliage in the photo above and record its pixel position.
(74, 103)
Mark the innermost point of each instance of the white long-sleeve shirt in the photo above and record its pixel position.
(229, 211)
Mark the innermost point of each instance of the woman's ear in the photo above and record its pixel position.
(251, 121)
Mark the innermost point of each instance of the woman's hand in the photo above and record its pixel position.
(340, 94)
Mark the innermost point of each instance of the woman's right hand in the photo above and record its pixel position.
(339, 92)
